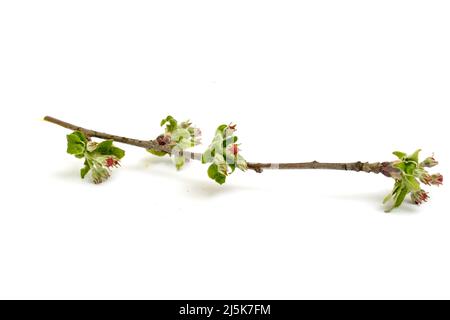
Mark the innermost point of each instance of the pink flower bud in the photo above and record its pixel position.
(419, 197)
(437, 179)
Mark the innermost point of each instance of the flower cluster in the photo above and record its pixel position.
(99, 158)
(409, 173)
(224, 154)
(178, 136)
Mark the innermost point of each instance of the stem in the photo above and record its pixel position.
(376, 167)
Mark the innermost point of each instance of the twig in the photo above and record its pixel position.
(376, 167)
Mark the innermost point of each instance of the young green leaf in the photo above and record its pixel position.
(170, 122)
(179, 162)
(107, 148)
(415, 156)
(84, 171)
(399, 154)
(157, 153)
(76, 144)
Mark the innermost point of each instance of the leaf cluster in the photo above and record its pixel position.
(411, 173)
(99, 158)
(223, 154)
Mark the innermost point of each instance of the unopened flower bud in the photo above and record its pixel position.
(429, 162)
(419, 197)
(437, 179)
(230, 130)
(425, 178)
(91, 146)
(163, 140)
(185, 124)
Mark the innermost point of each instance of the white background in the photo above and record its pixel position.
(312, 80)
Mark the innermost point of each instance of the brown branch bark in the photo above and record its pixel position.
(376, 167)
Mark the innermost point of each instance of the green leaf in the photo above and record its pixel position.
(220, 129)
(119, 153)
(400, 197)
(410, 167)
(415, 156)
(171, 123)
(157, 153)
(394, 194)
(412, 184)
(84, 171)
(213, 171)
(400, 165)
(387, 198)
(399, 154)
(179, 162)
(207, 156)
(107, 148)
(76, 143)
(220, 178)
(104, 147)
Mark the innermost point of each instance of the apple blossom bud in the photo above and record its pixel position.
(163, 140)
(425, 178)
(419, 197)
(429, 162)
(234, 149)
(112, 162)
(437, 179)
